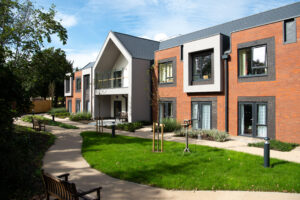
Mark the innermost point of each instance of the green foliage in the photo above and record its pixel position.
(48, 68)
(28, 118)
(60, 112)
(129, 126)
(276, 145)
(214, 134)
(205, 168)
(80, 116)
(170, 124)
(22, 151)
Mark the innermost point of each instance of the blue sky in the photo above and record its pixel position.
(89, 21)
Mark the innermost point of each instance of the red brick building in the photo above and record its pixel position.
(242, 76)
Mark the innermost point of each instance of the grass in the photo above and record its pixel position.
(206, 168)
(28, 118)
(80, 116)
(276, 145)
(60, 112)
(21, 157)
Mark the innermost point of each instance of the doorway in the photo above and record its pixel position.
(117, 108)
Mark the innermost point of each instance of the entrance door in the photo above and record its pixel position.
(201, 115)
(253, 119)
(117, 108)
(70, 106)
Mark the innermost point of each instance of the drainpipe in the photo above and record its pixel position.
(226, 57)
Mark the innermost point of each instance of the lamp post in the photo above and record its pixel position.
(186, 124)
(113, 129)
(267, 152)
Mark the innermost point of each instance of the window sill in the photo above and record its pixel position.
(252, 76)
(166, 84)
(290, 42)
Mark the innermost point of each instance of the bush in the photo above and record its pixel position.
(129, 126)
(59, 112)
(170, 125)
(80, 116)
(276, 145)
(214, 134)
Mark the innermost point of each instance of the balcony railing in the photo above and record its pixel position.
(106, 80)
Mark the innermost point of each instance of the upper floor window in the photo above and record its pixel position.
(117, 79)
(166, 72)
(67, 85)
(253, 61)
(202, 65)
(78, 84)
(289, 32)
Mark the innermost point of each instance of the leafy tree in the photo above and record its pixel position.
(47, 66)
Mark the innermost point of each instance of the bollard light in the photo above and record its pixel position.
(53, 119)
(113, 129)
(267, 152)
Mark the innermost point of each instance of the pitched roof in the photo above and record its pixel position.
(89, 65)
(277, 14)
(138, 47)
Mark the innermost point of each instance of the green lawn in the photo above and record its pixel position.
(28, 118)
(276, 145)
(206, 168)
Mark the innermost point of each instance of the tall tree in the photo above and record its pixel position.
(47, 66)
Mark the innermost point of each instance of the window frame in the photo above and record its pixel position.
(266, 61)
(159, 72)
(68, 88)
(70, 107)
(284, 31)
(170, 84)
(270, 59)
(76, 89)
(209, 52)
(254, 117)
(76, 101)
(117, 81)
(166, 104)
(199, 117)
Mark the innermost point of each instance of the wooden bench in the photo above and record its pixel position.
(123, 116)
(60, 188)
(38, 125)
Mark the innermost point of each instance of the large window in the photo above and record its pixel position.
(253, 61)
(78, 84)
(289, 32)
(166, 110)
(202, 65)
(166, 72)
(201, 115)
(117, 79)
(77, 105)
(253, 119)
(70, 106)
(67, 85)
(87, 82)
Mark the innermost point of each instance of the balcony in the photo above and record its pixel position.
(110, 80)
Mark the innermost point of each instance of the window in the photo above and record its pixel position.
(252, 61)
(202, 65)
(77, 105)
(166, 110)
(68, 85)
(78, 84)
(201, 115)
(70, 106)
(165, 72)
(253, 119)
(87, 82)
(117, 79)
(289, 32)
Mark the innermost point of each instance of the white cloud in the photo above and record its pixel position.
(66, 20)
(160, 37)
(82, 57)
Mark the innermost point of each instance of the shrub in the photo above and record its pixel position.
(276, 145)
(81, 116)
(214, 134)
(129, 126)
(57, 110)
(170, 125)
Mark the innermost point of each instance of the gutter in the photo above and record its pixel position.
(226, 57)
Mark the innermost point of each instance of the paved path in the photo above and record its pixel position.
(65, 156)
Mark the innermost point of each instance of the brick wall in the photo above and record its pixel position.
(76, 95)
(286, 87)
